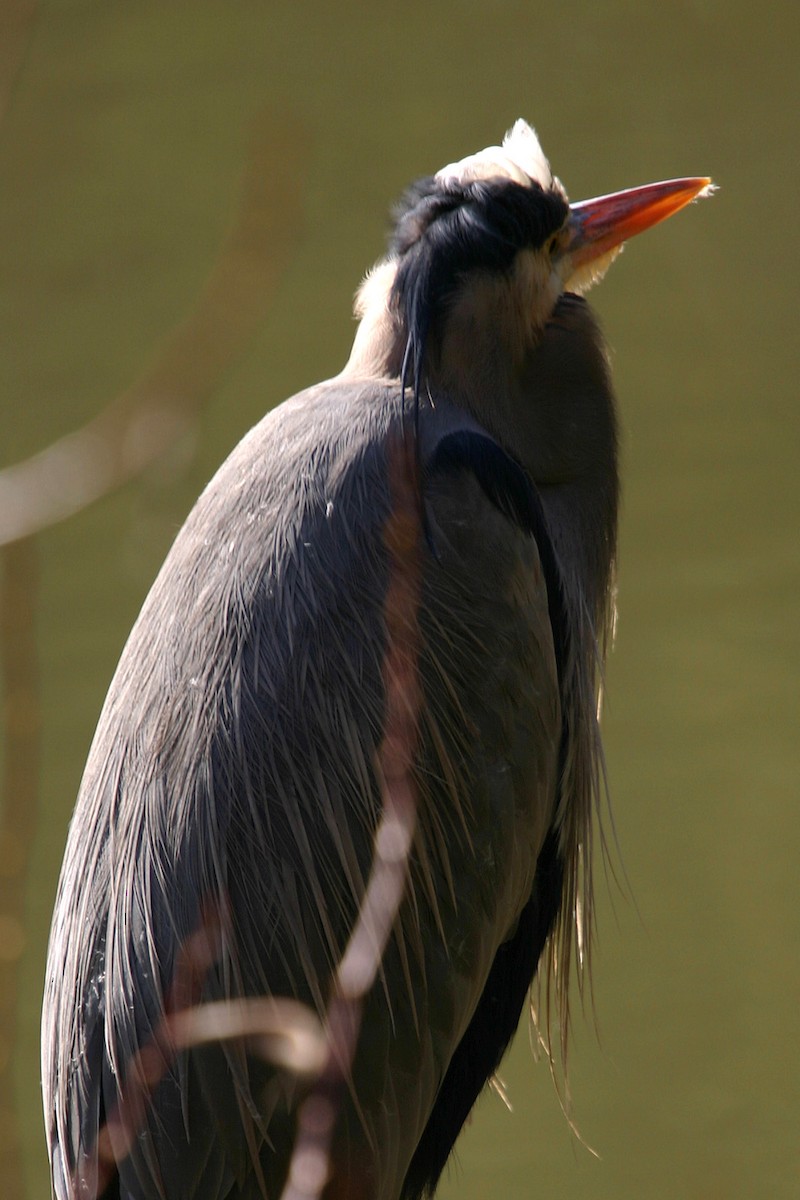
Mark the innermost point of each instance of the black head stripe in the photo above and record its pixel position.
(444, 231)
(510, 489)
(479, 224)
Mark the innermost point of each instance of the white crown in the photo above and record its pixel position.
(520, 158)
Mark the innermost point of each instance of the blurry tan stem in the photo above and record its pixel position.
(145, 420)
(21, 720)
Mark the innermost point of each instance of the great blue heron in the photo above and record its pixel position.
(236, 761)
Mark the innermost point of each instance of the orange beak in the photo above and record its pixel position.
(599, 225)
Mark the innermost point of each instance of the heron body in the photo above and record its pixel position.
(235, 764)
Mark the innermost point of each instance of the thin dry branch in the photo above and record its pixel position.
(310, 1167)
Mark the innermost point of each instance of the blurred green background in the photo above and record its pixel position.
(189, 193)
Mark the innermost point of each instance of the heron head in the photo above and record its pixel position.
(485, 247)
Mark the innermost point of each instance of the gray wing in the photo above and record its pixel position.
(233, 774)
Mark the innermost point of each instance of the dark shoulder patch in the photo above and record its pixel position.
(509, 488)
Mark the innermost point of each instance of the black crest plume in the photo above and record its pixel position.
(446, 230)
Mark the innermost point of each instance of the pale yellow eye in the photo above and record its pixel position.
(552, 245)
